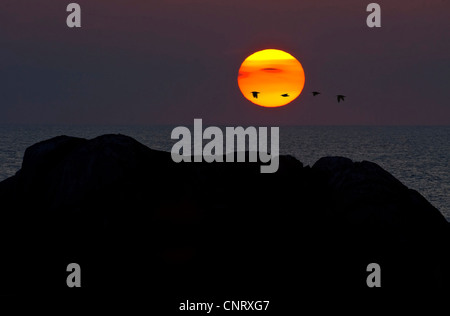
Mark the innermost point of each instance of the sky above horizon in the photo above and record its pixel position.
(168, 62)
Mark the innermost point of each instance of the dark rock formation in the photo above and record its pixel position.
(135, 220)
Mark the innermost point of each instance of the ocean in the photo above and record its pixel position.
(419, 156)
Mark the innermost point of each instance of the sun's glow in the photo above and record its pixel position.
(271, 78)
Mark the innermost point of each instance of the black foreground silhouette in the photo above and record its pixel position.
(136, 221)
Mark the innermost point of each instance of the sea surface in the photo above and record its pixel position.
(419, 156)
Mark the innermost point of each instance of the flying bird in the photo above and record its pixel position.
(340, 97)
(285, 95)
(315, 93)
(255, 94)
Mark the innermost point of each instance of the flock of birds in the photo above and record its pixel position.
(340, 97)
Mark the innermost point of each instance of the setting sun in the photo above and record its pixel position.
(271, 78)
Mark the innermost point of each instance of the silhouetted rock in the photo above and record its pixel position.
(135, 220)
(366, 193)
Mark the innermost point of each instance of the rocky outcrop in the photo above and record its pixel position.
(134, 219)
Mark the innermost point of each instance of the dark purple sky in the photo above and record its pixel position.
(168, 62)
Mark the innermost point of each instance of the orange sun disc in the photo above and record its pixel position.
(271, 78)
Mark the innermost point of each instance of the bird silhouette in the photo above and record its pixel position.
(340, 97)
(314, 93)
(255, 94)
(285, 95)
